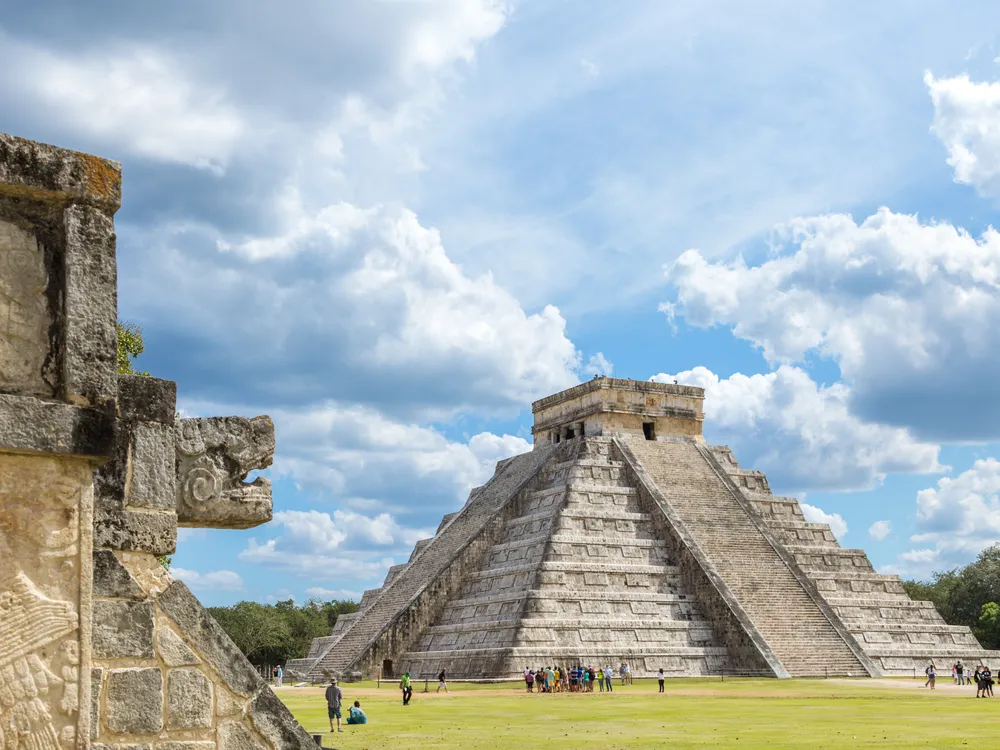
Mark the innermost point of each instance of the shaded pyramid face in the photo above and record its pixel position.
(578, 576)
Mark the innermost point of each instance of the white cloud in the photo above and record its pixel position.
(901, 306)
(835, 521)
(967, 122)
(958, 518)
(800, 434)
(321, 593)
(216, 580)
(353, 451)
(598, 364)
(880, 530)
(325, 546)
(139, 99)
(370, 297)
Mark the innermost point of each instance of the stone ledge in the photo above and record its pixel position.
(142, 531)
(31, 425)
(48, 173)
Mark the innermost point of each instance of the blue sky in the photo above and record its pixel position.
(392, 225)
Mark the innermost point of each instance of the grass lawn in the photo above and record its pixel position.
(742, 713)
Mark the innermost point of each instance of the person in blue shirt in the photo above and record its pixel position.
(356, 715)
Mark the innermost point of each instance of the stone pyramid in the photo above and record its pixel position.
(622, 536)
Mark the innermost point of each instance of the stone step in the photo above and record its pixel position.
(783, 611)
(510, 478)
(611, 624)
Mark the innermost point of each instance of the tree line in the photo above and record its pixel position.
(269, 634)
(967, 596)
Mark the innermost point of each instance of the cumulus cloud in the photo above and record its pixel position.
(967, 122)
(800, 434)
(880, 530)
(363, 303)
(324, 545)
(598, 364)
(955, 520)
(835, 521)
(353, 451)
(216, 580)
(139, 100)
(909, 311)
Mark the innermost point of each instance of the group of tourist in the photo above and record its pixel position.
(982, 678)
(578, 679)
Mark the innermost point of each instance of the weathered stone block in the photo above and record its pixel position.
(90, 335)
(134, 701)
(122, 629)
(136, 530)
(152, 467)
(180, 745)
(173, 650)
(111, 579)
(145, 399)
(189, 700)
(180, 605)
(277, 725)
(95, 702)
(25, 314)
(47, 173)
(234, 736)
(31, 425)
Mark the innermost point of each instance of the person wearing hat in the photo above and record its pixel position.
(334, 696)
(404, 685)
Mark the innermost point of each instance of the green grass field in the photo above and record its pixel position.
(741, 713)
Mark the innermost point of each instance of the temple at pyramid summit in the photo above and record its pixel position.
(623, 537)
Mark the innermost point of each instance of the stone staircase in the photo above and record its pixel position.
(788, 616)
(399, 594)
(579, 576)
(899, 635)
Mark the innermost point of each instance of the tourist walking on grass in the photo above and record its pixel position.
(931, 673)
(987, 682)
(442, 682)
(529, 679)
(977, 677)
(608, 674)
(960, 672)
(659, 678)
(407, 687)
(333, 698)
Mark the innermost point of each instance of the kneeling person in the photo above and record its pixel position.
(356, 715)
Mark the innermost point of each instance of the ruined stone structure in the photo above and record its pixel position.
(622, 536)
(99, 646)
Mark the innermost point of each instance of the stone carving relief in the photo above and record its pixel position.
(41, 506)
(214, 457)
(24, 314)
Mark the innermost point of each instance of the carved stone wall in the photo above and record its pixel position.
(99, 646)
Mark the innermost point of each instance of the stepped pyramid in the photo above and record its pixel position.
(622, 536)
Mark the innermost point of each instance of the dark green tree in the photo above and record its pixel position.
(271, 634)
